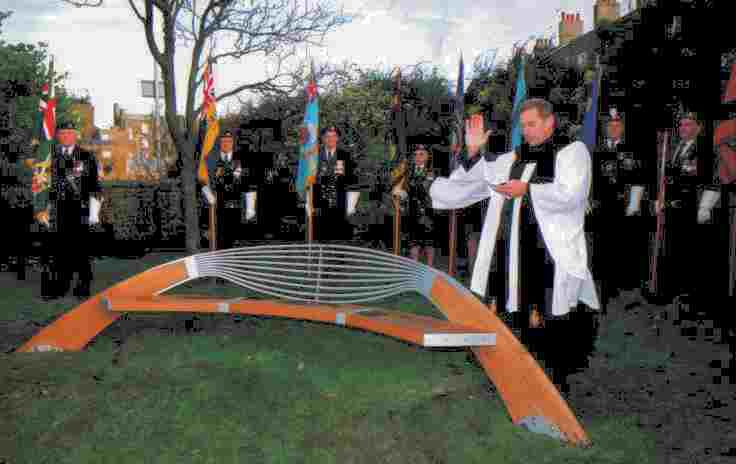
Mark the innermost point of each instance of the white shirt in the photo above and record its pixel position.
(67, 151)
(681, 148)
(227, 156)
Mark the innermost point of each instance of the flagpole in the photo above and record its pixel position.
(310, 214)
(731, 201)
(397, 224)
(397, 140)
(659, 236)
(459, 95)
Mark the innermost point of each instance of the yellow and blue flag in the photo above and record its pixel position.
(309, 146)
(590, 121)
(518, 101)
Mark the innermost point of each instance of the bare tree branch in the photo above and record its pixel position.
(84, 3)
(274, 29)
(136, 11)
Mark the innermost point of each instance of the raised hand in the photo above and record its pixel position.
(475, 134)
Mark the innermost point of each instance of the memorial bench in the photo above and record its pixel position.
(330, 284)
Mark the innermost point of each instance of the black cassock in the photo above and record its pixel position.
(536, 276)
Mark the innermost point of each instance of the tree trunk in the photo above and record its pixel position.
(189, 192)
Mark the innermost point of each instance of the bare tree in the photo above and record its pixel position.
(84, 3)
(272, 28)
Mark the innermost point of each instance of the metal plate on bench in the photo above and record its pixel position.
(458, 339)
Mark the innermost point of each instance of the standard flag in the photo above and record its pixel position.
(590, 121)
(209, 125)
(309, 148)
(396, 140)
(726, 133)
(457, 134)
(45, 130)
(518, 101)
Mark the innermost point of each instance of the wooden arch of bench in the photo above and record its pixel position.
(329, 283)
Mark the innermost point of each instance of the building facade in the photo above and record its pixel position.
(655, 61)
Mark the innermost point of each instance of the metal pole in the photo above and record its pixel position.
(397, 225)
(731, 201)
(156, 116)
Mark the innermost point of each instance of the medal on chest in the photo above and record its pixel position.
(77, 168)
(609, 170)
(628, 162)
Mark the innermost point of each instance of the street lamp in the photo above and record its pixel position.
(153, 89)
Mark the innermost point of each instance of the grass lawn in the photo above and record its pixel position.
(264, 390)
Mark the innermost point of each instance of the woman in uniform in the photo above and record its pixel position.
(420, 224)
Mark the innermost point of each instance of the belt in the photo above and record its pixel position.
(678, 204)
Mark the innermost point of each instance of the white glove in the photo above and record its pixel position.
(634, 200)
(352, 201)
(208, 194)
(707, 202)
(401, 193)
(237, 172)
(43, 218)
(308, 207)
(250, 205)
(94, 210)
(703, 215)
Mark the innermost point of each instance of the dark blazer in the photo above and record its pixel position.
(327, 180)
(73, 180)
(690, 174)
(226, 186)
(616, 170)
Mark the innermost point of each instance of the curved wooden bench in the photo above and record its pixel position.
(328, 283)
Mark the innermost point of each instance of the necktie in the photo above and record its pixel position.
(679, 151)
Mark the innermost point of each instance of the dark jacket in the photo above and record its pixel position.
(226, 186)
(615, 171)
(73, 180)
(689, 175)
(330, 189)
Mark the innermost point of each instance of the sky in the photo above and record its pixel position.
(105, 51)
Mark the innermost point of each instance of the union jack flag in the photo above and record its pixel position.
(209, 125)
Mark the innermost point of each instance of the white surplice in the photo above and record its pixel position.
(559, 208)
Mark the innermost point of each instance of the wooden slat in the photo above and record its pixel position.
(405, 326)
(409, 327)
